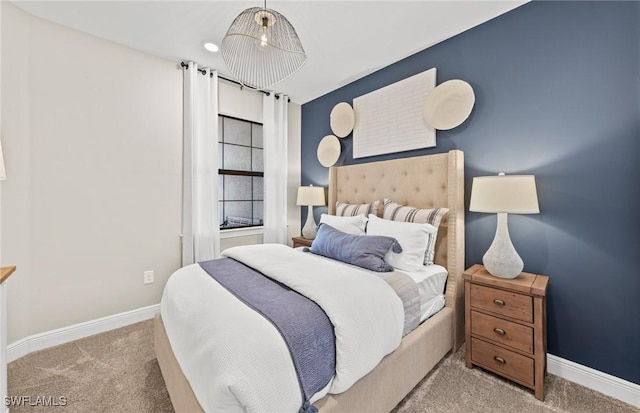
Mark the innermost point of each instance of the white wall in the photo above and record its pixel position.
(239, 102)
(92, 135)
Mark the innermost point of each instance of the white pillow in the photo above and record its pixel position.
(412, 237)
(350, 225)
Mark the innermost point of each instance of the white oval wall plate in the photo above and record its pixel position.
(449, 104)
(329, 150)
(342, 119)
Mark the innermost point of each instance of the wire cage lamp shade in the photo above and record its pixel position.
(261, 48)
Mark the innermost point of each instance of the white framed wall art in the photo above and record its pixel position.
(391, 119)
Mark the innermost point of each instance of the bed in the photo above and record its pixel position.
(423, 182)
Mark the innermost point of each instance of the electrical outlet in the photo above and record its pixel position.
(148, 277)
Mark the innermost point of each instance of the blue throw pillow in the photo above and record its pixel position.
(366, 251)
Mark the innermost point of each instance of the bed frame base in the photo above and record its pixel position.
(399, 372)
(379, 391)
(180, 393)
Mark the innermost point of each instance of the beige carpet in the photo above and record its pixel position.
(117, 372)
(110, 372)
(451, 387)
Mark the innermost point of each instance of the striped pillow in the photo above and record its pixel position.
(397, 212)
(351, 210)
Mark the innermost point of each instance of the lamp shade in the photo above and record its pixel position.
(261, 48)
(513, 194)
(310, 195)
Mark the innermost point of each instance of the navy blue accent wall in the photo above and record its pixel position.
(557, 89)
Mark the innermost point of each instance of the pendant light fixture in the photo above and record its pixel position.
(261, 48)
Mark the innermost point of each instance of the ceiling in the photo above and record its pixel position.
(344, 40)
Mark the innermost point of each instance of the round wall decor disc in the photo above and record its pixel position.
(449, 104)
(329, 150)
(342, 119)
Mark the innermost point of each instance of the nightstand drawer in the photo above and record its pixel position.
(503, 361)
(502, 302)
(502, 331)
(301, 242)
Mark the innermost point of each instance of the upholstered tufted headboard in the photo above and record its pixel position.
(429, 181)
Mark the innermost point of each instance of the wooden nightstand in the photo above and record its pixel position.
(301, 242)
(506, 326)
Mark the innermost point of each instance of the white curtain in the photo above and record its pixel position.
(274, 130)
(200, 222)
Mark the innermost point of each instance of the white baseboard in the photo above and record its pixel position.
(64, 335)
(602, 382)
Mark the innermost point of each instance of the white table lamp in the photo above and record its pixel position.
(504, 194)
(310, 196)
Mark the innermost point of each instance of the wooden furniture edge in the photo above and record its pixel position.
(525, 282)
(467, 324)
(539, 285)
(302, 241)
(468, 273)
(540, 351)
(5, 273)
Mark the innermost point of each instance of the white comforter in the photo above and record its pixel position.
(235, 360)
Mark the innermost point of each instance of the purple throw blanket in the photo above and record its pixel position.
(303, 324)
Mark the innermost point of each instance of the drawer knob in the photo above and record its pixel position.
(498, 302)
(500, 360)
(499, 331)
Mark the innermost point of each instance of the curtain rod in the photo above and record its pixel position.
(184, 64)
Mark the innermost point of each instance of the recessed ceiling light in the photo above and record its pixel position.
(212, 47)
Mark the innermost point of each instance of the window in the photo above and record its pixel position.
(241, 173)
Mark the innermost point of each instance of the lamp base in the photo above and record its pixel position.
(309, 229)
(502, 259)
